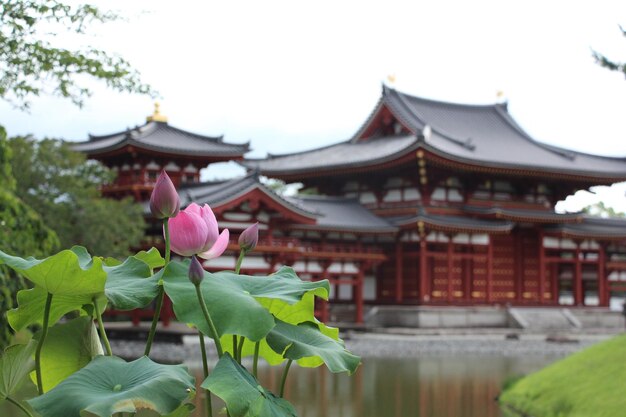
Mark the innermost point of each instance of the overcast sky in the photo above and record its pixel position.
(294, 75)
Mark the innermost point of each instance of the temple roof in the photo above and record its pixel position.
(483, 136)
(341, 213)
(456, 223)
(162, 138)
(591, 227)
(525, 215)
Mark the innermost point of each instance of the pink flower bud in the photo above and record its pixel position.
(249, 238)
(164, 201)
(194, 232)
(196, 271)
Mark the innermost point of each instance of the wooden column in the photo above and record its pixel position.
(399, 272)
(578, 279)
(424, 278)
(542, 269)
(519, 272)
(358, 294)
(603, 298)
(468, 264)
(554, 279)
(450, 269)
(489, 283)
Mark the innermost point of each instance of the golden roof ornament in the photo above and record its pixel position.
(157, 116)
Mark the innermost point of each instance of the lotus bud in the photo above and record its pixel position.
(164, 201)
(196, 271)
(249, 238)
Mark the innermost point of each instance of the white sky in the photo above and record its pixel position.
(294, 75)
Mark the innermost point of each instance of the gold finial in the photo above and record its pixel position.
(157, 116)
(500, 96)
(391, 78)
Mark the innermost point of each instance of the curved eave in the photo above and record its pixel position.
(130, 145)
(471, 226)
(405, 155)
(439, 158)
(526, 217)
(571, 233)
(288, 210)
(347, 229)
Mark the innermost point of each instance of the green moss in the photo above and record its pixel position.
(589, 383)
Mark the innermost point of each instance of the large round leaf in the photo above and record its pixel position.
(69, 272)
(15, 364)
(306, 344)
(233, 300)
(130, 285)
(242, 393)
(152, 257)
(68, 347)
(31, 305)
(110, 385)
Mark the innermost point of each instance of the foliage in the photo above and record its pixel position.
(585, 384)
(22, 231)
(30, 64)
(605, 62)
(602, 210)
(64, 188)
(74, 380)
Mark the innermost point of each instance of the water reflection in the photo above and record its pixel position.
(424, 387)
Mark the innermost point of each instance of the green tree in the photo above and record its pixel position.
(605, 62)
(602, 210)
(31, 65)
(22, 232)
(64, 188)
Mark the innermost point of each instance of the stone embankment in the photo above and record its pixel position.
(402, 342)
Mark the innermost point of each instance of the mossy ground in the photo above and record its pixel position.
(590, 383)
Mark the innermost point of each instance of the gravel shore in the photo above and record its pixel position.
(413, 344)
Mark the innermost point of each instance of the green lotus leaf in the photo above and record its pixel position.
(15, 365)
(233, 300)
(307, 344)
(31, 305)
(69, 272)
(110, 385)
(151, 257)
(130, 284)
(184, 410)
(242, 393)
(68, 347)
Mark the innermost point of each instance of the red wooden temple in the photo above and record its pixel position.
(429, 203)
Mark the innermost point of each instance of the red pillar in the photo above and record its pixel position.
(450, 269)
(542, 269)
(578, 278)
(519, 272)
(489, 283)
(424, 278)
(603, 299)
(358, 295)
(399, 272)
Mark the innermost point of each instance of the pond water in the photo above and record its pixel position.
(460, 386)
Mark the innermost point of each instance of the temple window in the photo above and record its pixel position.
(448, 190)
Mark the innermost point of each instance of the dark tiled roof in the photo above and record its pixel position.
(161, 137)
(216, 194)
(483, 135)
(456, 223)
(341, 155)
(592, 227)
(535, 216)
(341, 213)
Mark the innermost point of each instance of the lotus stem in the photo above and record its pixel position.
(155, 320)
(255, 362)
(205, 368)
(103, 333)
(235, 344)
(242, 254)
(161, 293)
(284, 378)
(20, 406)
(240, 348)
(207, 317)
(44, 333)
(236, 341)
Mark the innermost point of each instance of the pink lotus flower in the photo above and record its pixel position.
(194, 232)
(164, 201)
(249, 238)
